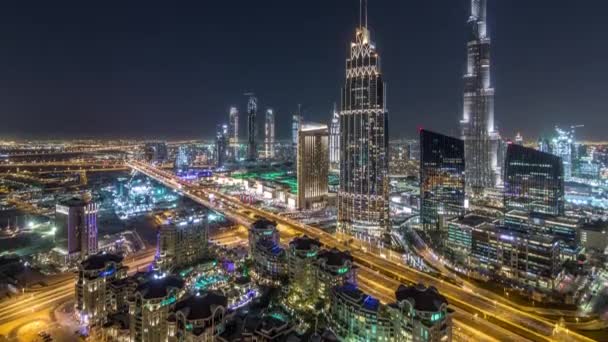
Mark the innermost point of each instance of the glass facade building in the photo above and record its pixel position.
(534, 181)
(363, 197)
(334, 141)
(252, 111)
(269, 134)
(220, 144)
(442, 179)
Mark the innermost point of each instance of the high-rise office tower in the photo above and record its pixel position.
(233, 132)
(442, 180)
(563, 146)
(269, 134)
(156, 152)
(183, 158)
(363, 204)
(334, 140)
(544, 145)
(296, 123)
(221, 140)
(312, 166)
(252, 111)
(519, 139)
(534, 181)
(76, 222)
(478, 129)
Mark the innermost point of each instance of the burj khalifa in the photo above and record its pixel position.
(482, 140)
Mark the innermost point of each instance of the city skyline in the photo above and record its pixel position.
(114, 78)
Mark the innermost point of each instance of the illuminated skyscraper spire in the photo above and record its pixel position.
(478, 130)
(363, 206)
(252, 110)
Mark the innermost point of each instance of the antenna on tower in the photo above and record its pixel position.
(365, 13)
(362, 13)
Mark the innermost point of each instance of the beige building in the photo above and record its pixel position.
(182, 243)
(150, 306)
(93, 292)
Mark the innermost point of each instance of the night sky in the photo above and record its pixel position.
(170, 69)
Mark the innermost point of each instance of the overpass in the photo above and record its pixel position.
(494, 310)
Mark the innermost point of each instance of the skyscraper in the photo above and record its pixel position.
(334, 141)
(252, 111)
(563, 147)
(269, 134)
(220, 144)
(478, 130)
(296, 122)
(442, 180)
(534, 181)
(313, 166)
(363, 205)
(76, 221)
(233, 132)
(156, 152)
(183, 159)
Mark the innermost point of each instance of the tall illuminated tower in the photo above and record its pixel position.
(269, 134)
(478, 129)
(233, 131)
(363, 206)
(334, 140)
(252, 110)
(296, 122)
(221, 140)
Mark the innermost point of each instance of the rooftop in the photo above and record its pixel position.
(270, 247)
(335, 257)
(472, 220)
(304, 243)
(154, 286)
(595, 225)
(356, 295)
(423, 298)
(201, 306)
(99, 261)
(73, 202)
(263, 224)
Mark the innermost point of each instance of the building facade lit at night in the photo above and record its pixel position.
(76, 222)
(442, 179)
(252, 129)
(534, 181)
(312, 166)
(269, 140)
(233, 132)
(478, 129)
(334, 140)
(363, 197)
(221, 142)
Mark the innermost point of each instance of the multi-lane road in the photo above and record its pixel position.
(498, 316)
(28, 307)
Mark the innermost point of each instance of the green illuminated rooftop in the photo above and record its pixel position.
(280, 177)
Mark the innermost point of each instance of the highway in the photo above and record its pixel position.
(467, 327)
(24, 308)
(464, 300)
